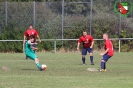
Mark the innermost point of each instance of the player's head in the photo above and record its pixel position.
(32, 38)
(30, 26)
(84, 33)
(105, 36)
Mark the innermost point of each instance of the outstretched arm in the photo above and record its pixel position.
(104, 52)
(92, 43)
(78, 45)
(38, 38)
(33, 43)
(33, 48)
(24, 39)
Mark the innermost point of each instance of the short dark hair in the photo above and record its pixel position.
(85, 31)
(31, 37)
(106, 34)
(30, 25)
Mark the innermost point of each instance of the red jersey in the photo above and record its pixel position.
(30, 32)
(86, 41)
(108, 44)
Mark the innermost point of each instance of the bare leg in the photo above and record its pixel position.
(37, 63)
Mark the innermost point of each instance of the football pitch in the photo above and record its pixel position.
(65, 70)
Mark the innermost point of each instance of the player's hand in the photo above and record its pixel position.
(35, 43)
(78, 48)
(91, 47)
(40, 40)
(101, 54)
(24, 42)
(36, 48)
(33, 48)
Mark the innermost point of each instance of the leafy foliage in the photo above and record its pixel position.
(76, 19)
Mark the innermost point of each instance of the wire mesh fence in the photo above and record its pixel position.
(64, 20)
(59, 17)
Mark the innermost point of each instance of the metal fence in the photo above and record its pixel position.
(47, 17)
(56, 17)
(56, 40)
(55, 20)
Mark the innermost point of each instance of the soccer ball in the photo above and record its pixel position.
(44, 66)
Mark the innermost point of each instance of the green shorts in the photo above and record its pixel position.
(31, 55)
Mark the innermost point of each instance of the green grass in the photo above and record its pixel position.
(65, 70)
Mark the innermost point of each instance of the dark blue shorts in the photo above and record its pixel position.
(105, 57)
(84, 51)
(34, 45)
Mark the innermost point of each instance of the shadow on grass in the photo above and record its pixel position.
(29, 69)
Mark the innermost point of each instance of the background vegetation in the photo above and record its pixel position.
(76, 19)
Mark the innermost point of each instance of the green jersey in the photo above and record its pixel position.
(28, 47)
(29, 52)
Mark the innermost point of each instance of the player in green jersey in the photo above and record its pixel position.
(29, 51)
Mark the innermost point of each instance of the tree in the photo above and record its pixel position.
(22, 0)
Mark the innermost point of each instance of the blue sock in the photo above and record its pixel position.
(38, 65)
(91, 59)
(102, 65)
(83, 60)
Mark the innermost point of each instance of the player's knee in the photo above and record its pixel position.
(102, 61)
(83, 56)
(36, 60)
(91, 54)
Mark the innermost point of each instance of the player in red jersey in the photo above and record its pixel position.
(88, 43)
(109, 52)
(31, 32)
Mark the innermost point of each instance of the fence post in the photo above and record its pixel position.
(62, 21)
(55, 46)
(34, 14)
(91, 16)
(6, 13)
(119, 45)
(119, 31)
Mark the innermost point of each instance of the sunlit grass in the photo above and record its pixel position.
(65, 70)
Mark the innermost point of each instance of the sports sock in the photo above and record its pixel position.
(83, 60)
(102, 65)
(91, 59)
(38, 65)
(26, 57)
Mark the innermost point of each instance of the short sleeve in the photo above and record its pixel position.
(80, 40)
(107, 44)
(28, 42)
(25, 33)
(36, 33)
(91, 38)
